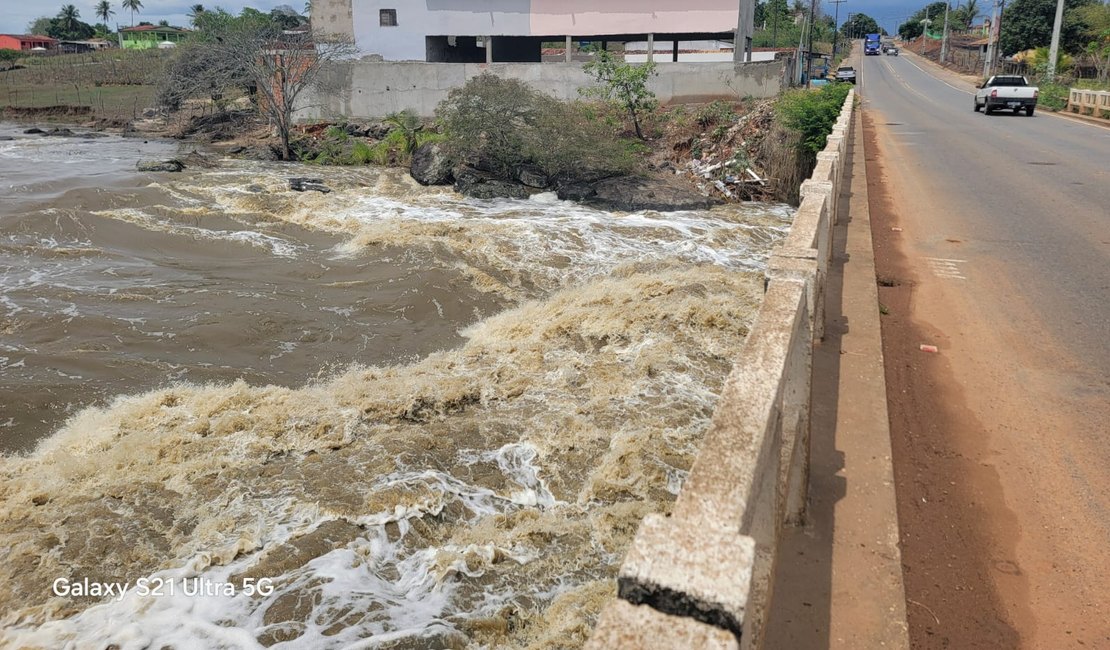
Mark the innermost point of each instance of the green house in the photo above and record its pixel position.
(151, 36)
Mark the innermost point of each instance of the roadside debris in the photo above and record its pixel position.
(929, 348)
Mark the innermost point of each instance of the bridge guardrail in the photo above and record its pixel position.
(1089, 102)
(702, 576)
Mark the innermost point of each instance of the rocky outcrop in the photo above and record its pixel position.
(532, 176)
(634, 193)
(431, 165)
(485, 185)
(197, 159)
(308, 184)
(34, 131)
(160, 165)
(59, 133)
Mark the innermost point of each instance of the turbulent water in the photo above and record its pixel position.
(418, 420)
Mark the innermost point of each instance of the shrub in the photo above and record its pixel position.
(716, 112)
(624, 85)
(812, 113)
(1053, 96)
(501, 124)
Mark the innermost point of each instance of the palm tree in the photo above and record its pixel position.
(968, 13)
(68, 18)
(194, 12)
(104, 11)
(133, 5)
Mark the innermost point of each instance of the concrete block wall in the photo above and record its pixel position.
(370, 90)
(708, 567)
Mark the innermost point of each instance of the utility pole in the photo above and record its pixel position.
(745, 28)
(944, 39)
(1054, 49)
(775, 33)
(809, 48)
(836, 24)
(925, 30)
(991, 40)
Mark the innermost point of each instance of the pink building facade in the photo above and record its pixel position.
(514, 30)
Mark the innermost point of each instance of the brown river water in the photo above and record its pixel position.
(385, 417)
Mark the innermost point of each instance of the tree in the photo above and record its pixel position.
(67, 25)
(859, 25)
(964, 16)
(68, 18)
(133, 6)
(623, 84)
(286, 18)
(39, 26)
(194, 12)
(1095, 37)
(8, 58)
(251, 52)
(104, 11)
(1028, 24)
(914, 27)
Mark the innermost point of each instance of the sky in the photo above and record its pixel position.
(16, 15)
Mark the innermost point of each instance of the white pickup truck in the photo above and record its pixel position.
(1006, 91)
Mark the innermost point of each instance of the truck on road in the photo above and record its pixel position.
(872, 44)
(1006, 91)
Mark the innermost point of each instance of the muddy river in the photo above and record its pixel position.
(237, 416)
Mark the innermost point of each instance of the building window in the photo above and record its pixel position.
(388, 17)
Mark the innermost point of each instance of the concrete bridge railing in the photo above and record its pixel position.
(1089, 102)
(702, 577)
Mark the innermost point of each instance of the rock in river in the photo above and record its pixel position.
(160, 165)
(431, 165)
(308, 184)
(485, 185)
(633, 193)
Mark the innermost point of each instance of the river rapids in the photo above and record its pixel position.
(385, 417)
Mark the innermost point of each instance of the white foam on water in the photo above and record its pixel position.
(140, 217)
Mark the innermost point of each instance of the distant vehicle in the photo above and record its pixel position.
(846, 73)
(1006, 91)
(871, 44)
(892, 51)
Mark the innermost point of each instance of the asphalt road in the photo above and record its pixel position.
(997, 229)
(1033, 191)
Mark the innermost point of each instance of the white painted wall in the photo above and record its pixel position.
(419, 18)
(552, 18)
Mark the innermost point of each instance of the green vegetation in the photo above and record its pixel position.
(914, 26)
(812, 113)
(1053, 96)
(624, 85)
(502, 124)
(8, 59)
(1028, 25)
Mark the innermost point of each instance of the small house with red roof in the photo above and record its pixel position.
(27, 42)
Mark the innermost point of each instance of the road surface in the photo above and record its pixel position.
(992, 242)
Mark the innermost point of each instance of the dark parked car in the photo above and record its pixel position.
(846, 73)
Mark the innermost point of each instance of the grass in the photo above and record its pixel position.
(1054, 94)
(114, 84)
